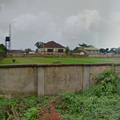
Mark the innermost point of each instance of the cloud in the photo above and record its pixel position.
(81, 28)
(68, 23)
(23, 22)
(91, 17)
(28, 29)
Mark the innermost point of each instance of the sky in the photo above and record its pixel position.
(68, 22)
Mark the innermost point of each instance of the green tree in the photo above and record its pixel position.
(107, 50)
(112, 50)
(77, 48)
(3, 49)
(115, 50)
(102, 50)
(67, 49)
(39, 44)
(85, 45)
(27, 50)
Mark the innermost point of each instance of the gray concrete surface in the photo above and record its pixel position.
(48, 80)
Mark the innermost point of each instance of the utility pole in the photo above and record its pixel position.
(8, 39)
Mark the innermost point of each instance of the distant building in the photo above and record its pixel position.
(31, 52)
(51, 48)
(86, 51)
(15, 52)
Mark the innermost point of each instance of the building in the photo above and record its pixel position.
(15, 52)
(51, 48)
(86, 51)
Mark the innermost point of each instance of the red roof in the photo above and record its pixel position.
(52, 44)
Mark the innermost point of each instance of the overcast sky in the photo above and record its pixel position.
(68, 22)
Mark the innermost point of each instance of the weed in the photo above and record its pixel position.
(100, 102)
(14, 60)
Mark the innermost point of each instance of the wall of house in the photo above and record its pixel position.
(48, 80)
(55, 51)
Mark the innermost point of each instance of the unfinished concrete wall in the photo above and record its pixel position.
(62, 79)
(18, 81)
(40, 80)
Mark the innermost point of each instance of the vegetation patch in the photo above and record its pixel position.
(102, 102)
(25, 108)
(51, 60)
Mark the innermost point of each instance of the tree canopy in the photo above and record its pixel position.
(39, 44)
(85, 45)
(67, 49)
(3, 49)
(27, 50)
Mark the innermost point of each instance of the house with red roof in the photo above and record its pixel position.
(51, 48)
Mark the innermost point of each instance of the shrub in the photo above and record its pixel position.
(14, 60)
(107, 82)
(100, 102)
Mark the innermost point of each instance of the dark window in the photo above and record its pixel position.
(50, 50)
(7, 38)
(60, 50)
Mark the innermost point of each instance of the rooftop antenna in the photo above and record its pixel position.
(8, 39)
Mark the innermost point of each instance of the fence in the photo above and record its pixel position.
(41, 55)
(47, 80)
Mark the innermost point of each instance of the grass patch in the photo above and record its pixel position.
(47, 60)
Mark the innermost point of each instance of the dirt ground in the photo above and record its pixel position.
(49, 113)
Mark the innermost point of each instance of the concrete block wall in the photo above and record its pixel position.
(48, 80)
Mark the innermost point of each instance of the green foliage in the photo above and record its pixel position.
(3, 49)
(85, 45)
(31, 114)
(13, 60)
(25, 108)
(67, 50)
(39, 44)
(115, 50)
(76, 48)
(27, 50)
(107, 82)
(78, 107)
(100, 102)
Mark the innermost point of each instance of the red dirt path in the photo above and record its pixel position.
(49, 113)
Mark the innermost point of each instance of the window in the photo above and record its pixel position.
(49, 50)
(60, 50)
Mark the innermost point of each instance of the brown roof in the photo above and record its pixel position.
(52, 44)
(76, 51)
(15, 51)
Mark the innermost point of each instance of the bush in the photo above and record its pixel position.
(14, 60)
(100, 102)
(31, 114)
(107, 82)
